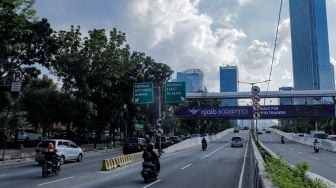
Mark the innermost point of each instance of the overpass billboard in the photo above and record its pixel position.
(246, 112)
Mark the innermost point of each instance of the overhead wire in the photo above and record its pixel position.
(274, 49)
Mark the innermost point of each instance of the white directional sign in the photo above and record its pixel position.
(255, 90)
(16, 87)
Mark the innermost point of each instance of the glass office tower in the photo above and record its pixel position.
(228, 83)
(312, 69)
(193, 79)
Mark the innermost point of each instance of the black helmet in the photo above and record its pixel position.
(150, 146)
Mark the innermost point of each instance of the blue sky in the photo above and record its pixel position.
(200, 34)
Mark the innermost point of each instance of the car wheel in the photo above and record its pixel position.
(80, 157)
(62, 160)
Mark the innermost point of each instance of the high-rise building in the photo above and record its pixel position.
(228, 83)
(286, 101)
(312, 69)
(193, 79)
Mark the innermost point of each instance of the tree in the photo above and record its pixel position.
(24, 42)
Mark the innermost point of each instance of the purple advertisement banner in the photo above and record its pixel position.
(266, 112)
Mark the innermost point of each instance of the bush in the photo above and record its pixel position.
(286, 177)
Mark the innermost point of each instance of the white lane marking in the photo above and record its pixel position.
(314, 158)
(186, 166)
(299, 153)
(55, 181)
(214, 151)
(157, 181)
(3, 174)
(334, 164)
(243, 168)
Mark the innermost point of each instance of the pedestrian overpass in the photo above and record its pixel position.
(263, 94)
(266, 112)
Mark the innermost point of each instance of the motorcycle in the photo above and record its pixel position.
(316, 147)
(204, 146)
(49, 167)
(148, 171)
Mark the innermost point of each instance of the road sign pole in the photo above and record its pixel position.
(159, 98)
(257, 129)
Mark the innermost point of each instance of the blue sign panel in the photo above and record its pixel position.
(266, 112)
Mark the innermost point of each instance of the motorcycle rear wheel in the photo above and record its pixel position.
(44, 174)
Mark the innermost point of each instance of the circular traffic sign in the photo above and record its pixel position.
(256, 107)
(159, 131)
(159, 122)
(255, 90)
(17, 76)
(255, 98)
(256, 115)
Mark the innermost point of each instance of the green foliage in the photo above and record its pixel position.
(285, 177)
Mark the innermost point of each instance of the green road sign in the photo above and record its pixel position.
(143, 93)
(139, 127)
(175, 92)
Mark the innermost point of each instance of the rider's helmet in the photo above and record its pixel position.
(150, 146)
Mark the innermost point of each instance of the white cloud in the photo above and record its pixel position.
(200, 34)
(242, 2)
(177, 28)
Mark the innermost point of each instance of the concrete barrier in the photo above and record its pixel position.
(325, 144)
(115, 162)
(256, 175)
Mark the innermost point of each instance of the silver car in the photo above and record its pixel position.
(236, 141)
(66, 149)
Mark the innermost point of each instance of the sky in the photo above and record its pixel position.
(200, 34)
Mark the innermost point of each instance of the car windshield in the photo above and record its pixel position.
(236, 139)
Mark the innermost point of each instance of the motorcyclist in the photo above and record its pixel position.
(204, 141)
(151, 156)
(50, 154)
(316, 142)
(282, 139)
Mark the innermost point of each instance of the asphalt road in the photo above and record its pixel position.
(29, 174)
(322, 163)
(218, 166)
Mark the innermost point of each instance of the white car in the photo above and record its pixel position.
(66, 149)
(28, 135)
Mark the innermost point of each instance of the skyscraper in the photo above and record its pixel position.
(193, 79)
(228, 83)
(312, 69)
